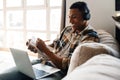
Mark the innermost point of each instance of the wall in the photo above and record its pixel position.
(101, 12)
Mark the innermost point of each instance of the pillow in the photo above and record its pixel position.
(86, 51)
(100, 67)
(107, 39)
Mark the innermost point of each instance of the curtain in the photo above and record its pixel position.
(63, 15)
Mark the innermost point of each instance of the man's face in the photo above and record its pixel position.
(76, 19)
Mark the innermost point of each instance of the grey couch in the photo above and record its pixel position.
(14, 74)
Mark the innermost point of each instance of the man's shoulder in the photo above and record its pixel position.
(90, 31)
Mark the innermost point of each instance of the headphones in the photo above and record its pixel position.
(86, 13)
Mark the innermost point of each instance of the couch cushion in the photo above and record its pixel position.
(108, 39)
(100, 67)
(86, 51)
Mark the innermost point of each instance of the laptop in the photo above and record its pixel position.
(24, 65)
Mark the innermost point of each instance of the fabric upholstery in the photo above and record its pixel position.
(86, 51)
(100, 67)
(107, 39)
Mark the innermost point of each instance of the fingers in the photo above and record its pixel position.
(40, 41)
(32, 48)
(28, 42)
(39, 44)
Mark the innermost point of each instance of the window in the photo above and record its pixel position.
(1, 4)
(23, 19)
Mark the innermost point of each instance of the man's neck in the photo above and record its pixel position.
(81, 28)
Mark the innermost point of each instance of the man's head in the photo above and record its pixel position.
(82, 7)
(79, 15)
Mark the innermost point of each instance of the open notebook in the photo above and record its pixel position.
(24, 65)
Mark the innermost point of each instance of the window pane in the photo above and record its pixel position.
(55, 2)
(53, 37)
(15, 39)
(14, 19)
(55, 19)
(13, 3)
(1, 20)
(1, 4)
(42, 36)
(36, 19)
(1, 38)
(35, 2)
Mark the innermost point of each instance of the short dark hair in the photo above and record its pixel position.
(82, 7)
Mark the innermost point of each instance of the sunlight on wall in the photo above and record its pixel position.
(118, 13)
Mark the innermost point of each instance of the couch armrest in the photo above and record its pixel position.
(13, 74)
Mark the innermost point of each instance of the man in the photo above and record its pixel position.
(78, 33)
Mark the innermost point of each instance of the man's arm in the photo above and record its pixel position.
(53, 57)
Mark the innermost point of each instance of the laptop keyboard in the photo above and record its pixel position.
(39, 73)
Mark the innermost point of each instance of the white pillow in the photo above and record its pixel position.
(87, 50)
(108, 39)
(100, 67)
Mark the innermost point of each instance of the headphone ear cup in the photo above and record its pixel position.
(87, 16)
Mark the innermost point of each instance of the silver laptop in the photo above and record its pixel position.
(24, 65)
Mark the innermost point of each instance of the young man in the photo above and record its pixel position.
(78, 33)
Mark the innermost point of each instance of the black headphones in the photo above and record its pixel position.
(86, 13)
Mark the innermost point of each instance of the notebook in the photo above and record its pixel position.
(24, 65)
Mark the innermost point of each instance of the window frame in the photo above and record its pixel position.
(24, 30)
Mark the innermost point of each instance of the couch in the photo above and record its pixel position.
(14, 74)
(102, 63)
(99, 67)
